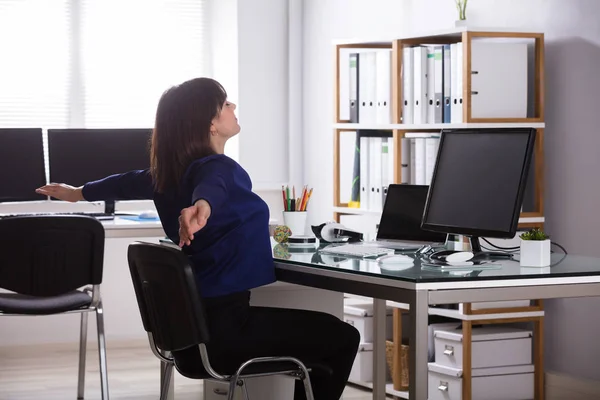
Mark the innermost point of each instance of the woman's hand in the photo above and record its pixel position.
(62, 191)
(191, 220)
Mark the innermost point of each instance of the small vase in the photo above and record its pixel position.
(535, 253)
(460, 23)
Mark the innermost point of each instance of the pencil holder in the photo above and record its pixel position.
(296, 221)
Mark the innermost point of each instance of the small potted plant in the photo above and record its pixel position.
(461, 6)
(535, 248)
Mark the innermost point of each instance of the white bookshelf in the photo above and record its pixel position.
(453, 32)
(415, 127)
(359, 211)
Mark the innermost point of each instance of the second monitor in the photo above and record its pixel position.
(78, 156)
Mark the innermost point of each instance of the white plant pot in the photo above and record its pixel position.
(535, 253)
(460, 23)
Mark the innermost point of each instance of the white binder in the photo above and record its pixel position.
(405, 161)
(383, 62)
(364, 173)
(456, 75)
(431, 72)
(420, 85)
(408, 88)
(375, 150)
(438, 86)
(367, 75)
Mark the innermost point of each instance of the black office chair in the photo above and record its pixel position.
(174, 317)
(44, 260)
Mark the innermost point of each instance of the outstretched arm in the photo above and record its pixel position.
(132, 185)
(62, 191)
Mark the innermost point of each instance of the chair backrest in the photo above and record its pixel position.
(168, 299)
(51, 254)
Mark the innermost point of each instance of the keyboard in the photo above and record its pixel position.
(98, 215)
(357, 250)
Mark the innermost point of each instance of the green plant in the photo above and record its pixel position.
(461, 6)
(534, 234)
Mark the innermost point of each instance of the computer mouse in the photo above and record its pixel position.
(459, 256)
(149, 214)
(395, 259)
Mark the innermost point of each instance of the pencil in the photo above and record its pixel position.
(284, 200)
(287, 196)
(303, 199)
(308, 198)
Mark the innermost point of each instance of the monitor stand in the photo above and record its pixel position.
(109, 207)
(484, 254)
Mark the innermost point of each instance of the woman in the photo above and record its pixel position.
(206, 205)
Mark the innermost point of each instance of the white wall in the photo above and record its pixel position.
(571, 142)
(224, 56)
(269, 68)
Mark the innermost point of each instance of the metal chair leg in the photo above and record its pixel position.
(245, 390)
(82, 354)
(232, 386)
(308, 387)
(102, 351)
(166, 381)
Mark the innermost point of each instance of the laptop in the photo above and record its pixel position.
(400, 224)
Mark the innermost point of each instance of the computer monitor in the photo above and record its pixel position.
(22, 155)
(478, 183)
(402, 213)
(78, 156)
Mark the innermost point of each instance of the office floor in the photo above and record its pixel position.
(50, 373)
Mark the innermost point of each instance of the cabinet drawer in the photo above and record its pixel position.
(503, 383)
(490, 347)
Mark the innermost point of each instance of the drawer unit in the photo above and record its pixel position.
(499, 383)
(491, 346)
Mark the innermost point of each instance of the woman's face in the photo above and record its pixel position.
(226, 124)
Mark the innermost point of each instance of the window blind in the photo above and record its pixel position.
(35, 66)
(132, 51)
(96, 63)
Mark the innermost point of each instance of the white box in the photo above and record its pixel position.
(500, 383)
(430, 339)
(491, 346)
(362, 369)
(498, 80)
(361, 317)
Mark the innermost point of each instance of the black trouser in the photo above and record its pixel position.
(240, 332)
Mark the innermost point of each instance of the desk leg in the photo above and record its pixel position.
(467, 333)
(379, 369)
(417, 356)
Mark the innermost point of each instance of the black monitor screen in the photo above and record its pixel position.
(402, 214)
(78, 156)
(22, 164)
(478, 182)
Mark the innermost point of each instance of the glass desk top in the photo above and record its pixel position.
(420, 271)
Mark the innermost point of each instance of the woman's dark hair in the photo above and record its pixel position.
(182, 129)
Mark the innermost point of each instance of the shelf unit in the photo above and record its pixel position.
(468, 316)
(397, 129)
